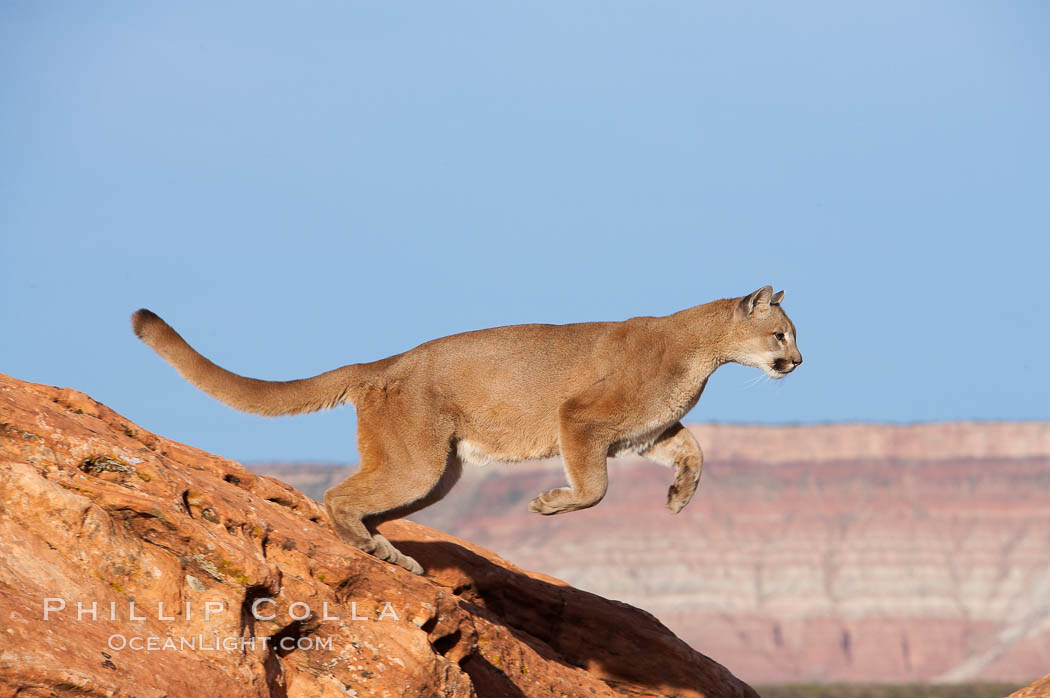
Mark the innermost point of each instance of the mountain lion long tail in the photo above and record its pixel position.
(269, 398)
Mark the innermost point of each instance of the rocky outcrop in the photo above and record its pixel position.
(1039, 689)
(853, 552)
(134, 565)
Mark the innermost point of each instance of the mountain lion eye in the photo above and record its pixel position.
(779, 336)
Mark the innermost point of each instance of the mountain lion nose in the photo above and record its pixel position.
(798, 360)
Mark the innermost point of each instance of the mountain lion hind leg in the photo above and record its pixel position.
(396, 477)
(678, 448)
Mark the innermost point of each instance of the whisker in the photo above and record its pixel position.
(752, 382)
(761, 378)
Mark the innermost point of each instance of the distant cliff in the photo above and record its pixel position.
(855, 552)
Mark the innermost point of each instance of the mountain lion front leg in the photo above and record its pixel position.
(588, 477)
(677, 447)
(583, 450)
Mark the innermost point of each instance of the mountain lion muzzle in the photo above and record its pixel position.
(584, 391)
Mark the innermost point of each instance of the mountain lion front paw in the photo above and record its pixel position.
(683, 488)
(554, 501)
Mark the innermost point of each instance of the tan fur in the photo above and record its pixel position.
(585, 391)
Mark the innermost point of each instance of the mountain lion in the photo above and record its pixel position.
(586, 391)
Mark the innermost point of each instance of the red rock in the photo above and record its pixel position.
(95, 510)
(1039, 689)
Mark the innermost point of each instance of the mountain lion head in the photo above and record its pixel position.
(763, 334)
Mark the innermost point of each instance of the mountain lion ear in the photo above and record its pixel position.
(777, 297)
(758, 299)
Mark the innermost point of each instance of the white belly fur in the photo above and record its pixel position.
(469, 452)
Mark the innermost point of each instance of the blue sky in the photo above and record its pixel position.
(299, 186)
